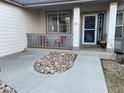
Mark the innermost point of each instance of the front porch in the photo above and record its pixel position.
(76, 27)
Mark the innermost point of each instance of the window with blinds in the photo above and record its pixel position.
(59, 22)
(119, 26)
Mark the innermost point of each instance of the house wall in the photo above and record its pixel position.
(43, 23)
(85, 8)
(15, 22)
(91, 7)
(34, 21)
(121, 6)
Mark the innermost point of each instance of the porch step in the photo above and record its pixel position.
(90, 46)
(98, 52)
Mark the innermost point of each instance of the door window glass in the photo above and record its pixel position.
(89, 22)
(90, 29)
(89, 36)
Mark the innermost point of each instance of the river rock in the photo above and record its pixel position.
(4, 88)
(55, 63)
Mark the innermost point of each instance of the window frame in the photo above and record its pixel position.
(58, 27)
(122, 25)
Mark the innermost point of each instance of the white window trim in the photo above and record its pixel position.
(120, 25)
(69, 32)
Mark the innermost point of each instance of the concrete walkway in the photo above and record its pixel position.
(86, 76)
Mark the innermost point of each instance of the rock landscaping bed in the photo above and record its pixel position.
(4, 88)
(120, 58)
(55, 63)
(114, 74)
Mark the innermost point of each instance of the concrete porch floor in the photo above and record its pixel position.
(86, 76)
(83, 51)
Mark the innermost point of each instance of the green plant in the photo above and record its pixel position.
(103, 42)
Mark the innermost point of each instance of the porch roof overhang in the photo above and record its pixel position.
(41, 3)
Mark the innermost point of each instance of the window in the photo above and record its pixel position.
(100, 27)
(52, 23)
(119, 25)
(58, 22)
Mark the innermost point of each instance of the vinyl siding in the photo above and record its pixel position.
(12, 29)
(121, 6)
(15, 22)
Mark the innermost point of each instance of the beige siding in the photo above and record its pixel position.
(94, 7)
(35, 21)
(42, 22)
(14, 23)
(121, 6)
(13, 27)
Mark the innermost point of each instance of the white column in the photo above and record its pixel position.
(111, 26)
(76, 28)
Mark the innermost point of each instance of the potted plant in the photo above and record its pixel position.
(103, 43)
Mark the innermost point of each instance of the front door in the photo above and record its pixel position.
(89, 29)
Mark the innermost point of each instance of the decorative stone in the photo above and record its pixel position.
(55, 63)
(5, 88)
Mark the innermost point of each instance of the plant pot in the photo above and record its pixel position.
(103, 45)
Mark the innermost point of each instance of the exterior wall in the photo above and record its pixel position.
(43, 16)
(14, 23)
(121, 6)
(92, 7)
(85, 8)
(34, 21)
(43, 22)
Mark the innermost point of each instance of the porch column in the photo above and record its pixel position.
(76, 28)
(111, 26)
